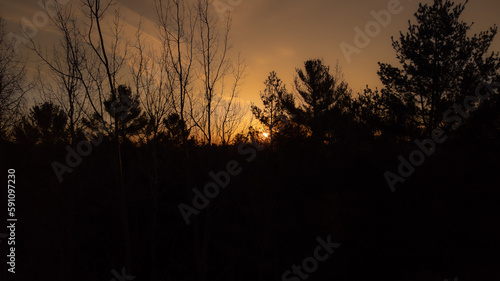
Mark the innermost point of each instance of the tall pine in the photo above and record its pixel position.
(440, 65)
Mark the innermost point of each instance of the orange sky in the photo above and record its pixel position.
(281, 34)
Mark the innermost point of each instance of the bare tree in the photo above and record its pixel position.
(63, 64)
(177, 23)
(155, 82)
(12, 83)
(231, 112)
(152, 82)
(111, 60)
(63, 82)
(215, 65)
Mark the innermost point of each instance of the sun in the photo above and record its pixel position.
(266, 135)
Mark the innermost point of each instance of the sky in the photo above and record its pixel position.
(281, 35)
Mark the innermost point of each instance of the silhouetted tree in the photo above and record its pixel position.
(152, 83)
(380, 112)
(440, 66)
(273, 114)
(214, 63)
(323, 96)
(177, 22)
(230, 113)
(126, 109)
(176, 129)
(12, 87)
(64, 63)
(46, 124)
(109, 58)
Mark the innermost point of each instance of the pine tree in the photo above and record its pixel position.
(126, 108)
(440, 66)
(325, 96)
(273, 114)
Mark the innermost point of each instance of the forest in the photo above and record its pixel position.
(139, 161)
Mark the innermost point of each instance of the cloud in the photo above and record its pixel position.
(286, 52)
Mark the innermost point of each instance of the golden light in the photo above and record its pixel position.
(266, 135)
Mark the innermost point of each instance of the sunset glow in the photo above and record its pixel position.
(250, 139)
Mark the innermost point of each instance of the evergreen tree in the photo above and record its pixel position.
(274, 98)
(46, 124)
(440, 65)
(324, 97)
(176, 130)
(126, 108)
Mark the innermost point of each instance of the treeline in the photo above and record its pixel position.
(185, 88)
